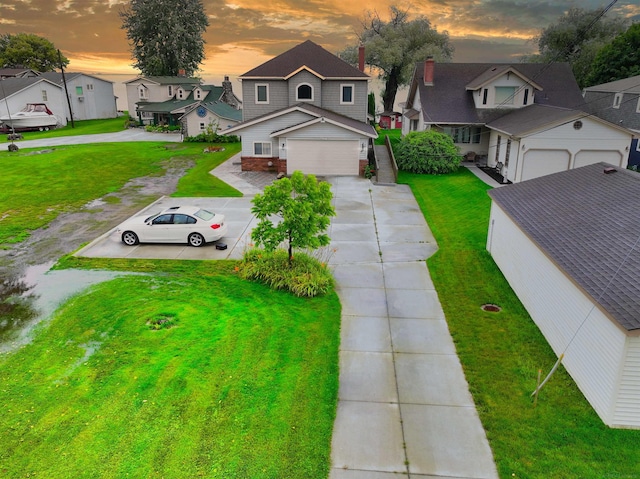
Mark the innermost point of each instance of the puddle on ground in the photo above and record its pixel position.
(34, 297)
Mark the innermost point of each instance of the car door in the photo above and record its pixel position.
(160, 229)
(183, 226)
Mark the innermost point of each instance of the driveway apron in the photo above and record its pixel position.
(404, 407)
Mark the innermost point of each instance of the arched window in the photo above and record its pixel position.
(304, 92)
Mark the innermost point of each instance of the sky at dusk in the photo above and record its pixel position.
(244, 33)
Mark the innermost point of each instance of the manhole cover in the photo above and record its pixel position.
(492, 308)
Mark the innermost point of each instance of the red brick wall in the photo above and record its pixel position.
(362, 165)
(251, 163)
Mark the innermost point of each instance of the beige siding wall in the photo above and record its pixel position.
(559, 309)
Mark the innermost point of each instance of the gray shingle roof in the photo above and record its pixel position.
(307, 54)
(533, 118)
(448, 101)
(11, 86)
(627, 85)
(586, 222)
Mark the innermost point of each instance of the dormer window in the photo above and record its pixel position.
(262, 93)
(170, 91)
(346, 94)
(142, 93)
(304, 92)
(505, 95)
(180, 93)
(526, 97)
(617, 100)
(198, 93)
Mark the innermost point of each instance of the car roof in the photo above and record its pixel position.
(188, 210)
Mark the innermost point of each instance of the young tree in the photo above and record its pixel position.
(25, 50)
(576, 38)
(302, 208)
(395, 46)
(165, 35)
(619, 59)
(427, 152)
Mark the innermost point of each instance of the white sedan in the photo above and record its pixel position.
(178, 224)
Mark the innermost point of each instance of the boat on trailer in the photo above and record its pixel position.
(35, 116)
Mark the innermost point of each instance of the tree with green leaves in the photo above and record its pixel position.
(576, 38)
(25, 50)
(427, 152)
(394, 47)
(294, 211)
(165, 35)
(619, 59)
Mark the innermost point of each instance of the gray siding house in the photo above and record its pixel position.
(306, 110)
(618, 102)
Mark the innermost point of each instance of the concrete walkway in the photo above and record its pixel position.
(404, 407)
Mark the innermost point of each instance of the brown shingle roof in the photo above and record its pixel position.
(310, 55)
(586, 222)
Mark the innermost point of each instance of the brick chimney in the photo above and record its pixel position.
(182, 72)
(428, 71)
(227, 94)
(361, 58)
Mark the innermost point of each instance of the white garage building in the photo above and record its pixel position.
(569, 246)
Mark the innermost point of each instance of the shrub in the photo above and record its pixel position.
(427, 152)
(205, 138)
(303, 275)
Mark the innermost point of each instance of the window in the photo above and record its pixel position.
(180, 93)
(477, 134)
(262, 148)
(346, 94)
(163, 220)
(183, 220)
(78, 90)
(413, 125)
(198, 94)
(498, 148)
(463, 134)
(617, 100)
(142, 93)
(44, 95)
(304, 92)
(638, 105)
(89, 86)
(507, 152)
(485, 93)
(526, 96)
(170, 90)
(262, 93)
(202, 127)
(504, 95)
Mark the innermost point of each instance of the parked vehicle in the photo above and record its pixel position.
(178, 224)
(35, 116)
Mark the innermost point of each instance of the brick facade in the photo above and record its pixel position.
(252, 163)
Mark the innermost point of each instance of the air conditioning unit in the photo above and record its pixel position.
(80, 98)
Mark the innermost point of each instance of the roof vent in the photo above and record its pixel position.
(609, 169)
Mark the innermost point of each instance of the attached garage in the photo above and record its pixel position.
(323, 157)
(536, 163)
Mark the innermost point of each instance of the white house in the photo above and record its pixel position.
(569, 245)
(91, 98)
(216, 114)
(15, 93)
(524, 120)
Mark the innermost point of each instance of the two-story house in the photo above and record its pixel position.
(524, 119)
(306, 110)
(618, 102)
(164, 100)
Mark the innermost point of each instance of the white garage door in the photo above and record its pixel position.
(589, 157)
(544, 162)
(323, 157)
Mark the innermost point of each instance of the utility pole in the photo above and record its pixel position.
(66, 91)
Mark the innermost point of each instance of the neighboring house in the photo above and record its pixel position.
(203, 114)
(17, 73)
(619, 103)
(525, 119)
(306, 110)
(15, 93)
(91, 98)
(568, 244)
(164, 100)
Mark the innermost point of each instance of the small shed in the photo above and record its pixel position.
(569, 246)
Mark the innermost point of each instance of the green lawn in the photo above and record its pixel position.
(84, 127)
(394, 136)
(243, 385)
(35, 188)
(501, 352)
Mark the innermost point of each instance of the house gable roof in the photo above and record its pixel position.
(218, 108)
(495, 72)
(166, 80)
(11, 86)
(69, 76)
(586, 222)
(309, 56)
(448, 101)
(316, 112)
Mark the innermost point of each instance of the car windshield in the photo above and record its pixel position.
(151, 218)
(204, 214)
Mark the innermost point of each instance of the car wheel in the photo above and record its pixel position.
(130, 238)
(196, 239)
